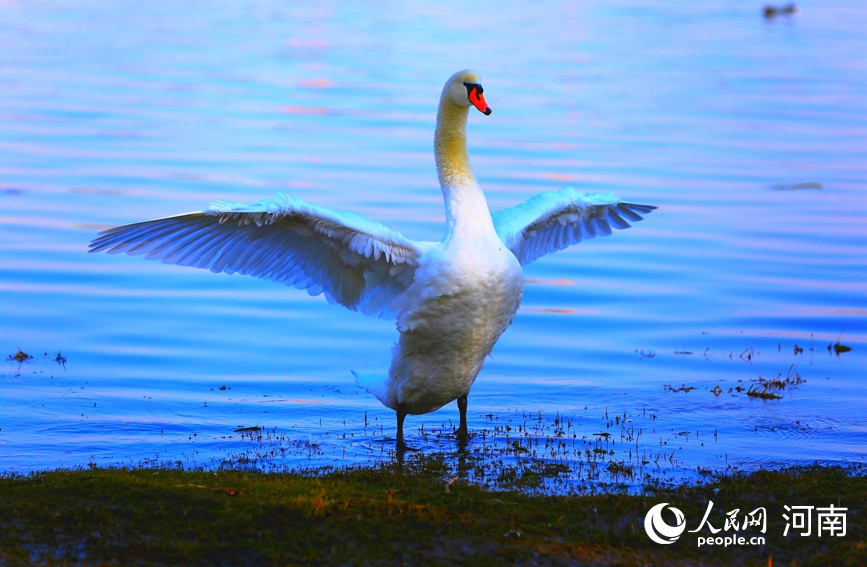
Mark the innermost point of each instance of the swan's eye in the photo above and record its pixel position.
(473, 86)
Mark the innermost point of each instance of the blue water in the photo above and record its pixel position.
(750, 135)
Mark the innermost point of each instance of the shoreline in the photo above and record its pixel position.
(417, 512)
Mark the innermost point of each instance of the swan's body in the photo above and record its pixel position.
(466, 289)
(457, 307)
(452, 299)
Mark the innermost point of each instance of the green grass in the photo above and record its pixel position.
(415, 513)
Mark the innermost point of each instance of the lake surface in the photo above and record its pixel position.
(749, 134)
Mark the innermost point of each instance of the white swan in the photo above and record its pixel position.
(451, 299)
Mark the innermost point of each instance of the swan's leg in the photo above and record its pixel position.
(463, 434)
(401, 415)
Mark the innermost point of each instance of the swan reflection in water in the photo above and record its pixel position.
(451, 300)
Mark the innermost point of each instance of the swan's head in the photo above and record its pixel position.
(465, 89)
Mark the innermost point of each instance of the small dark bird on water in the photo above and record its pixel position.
(774, 11)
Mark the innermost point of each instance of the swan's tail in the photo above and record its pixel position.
(374, 384)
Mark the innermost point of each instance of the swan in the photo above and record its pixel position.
(451, 300)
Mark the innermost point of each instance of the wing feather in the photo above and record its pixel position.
(354, 261)
(554, 220)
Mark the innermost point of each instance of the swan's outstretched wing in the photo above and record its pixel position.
(354, 261)
(554, 220)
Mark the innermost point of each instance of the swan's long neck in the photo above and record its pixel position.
(466, 208)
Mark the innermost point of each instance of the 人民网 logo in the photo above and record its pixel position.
(658, 530)
(830, 520)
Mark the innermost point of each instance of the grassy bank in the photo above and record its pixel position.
(412, 513)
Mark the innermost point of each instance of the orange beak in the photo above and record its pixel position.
(478, 100)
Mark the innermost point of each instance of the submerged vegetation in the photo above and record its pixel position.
(20, 356)
(420, 511)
